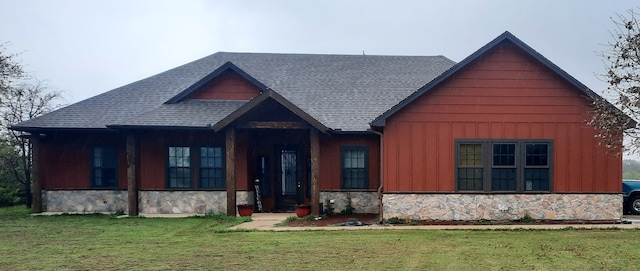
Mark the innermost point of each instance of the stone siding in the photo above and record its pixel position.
(150, 202)
(85, 201)
(189, 202)
(450, 207)
(363, 202)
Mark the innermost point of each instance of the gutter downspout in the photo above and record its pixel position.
(381, 187)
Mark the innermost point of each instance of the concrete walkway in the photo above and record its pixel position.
(268, 221)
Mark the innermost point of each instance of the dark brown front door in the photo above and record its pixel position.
(289, 178)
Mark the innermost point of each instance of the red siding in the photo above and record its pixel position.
(66, 159)
(330, 168)
(504, 94)
(153, 154)
(229, 86)
(66, 156)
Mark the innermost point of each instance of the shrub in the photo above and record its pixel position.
(527, 219)
(349, 209)
(328, 208)
(8, 197)
(396, 220)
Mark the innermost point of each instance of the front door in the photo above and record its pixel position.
(289, 180)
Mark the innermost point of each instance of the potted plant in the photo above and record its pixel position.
(303, 210)
(245, 209)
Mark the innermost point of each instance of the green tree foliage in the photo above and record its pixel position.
(21, 98)
(622, 59)
(630, 169)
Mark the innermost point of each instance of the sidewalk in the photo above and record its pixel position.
(267, 222)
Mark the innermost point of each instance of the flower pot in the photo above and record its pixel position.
(245, 210)
(303, 210)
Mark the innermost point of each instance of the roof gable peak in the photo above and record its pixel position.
(217, 74)
(502, 38)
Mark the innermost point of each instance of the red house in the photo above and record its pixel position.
(500, 135)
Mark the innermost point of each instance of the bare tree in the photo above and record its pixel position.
(622, 59)
(20, 103)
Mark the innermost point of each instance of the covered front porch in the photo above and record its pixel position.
(279, 169)
(281, 146)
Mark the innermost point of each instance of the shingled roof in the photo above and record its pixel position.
(344, 92)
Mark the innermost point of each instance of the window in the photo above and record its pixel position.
(355, 167)
(536, 167)
(211, 168)
(179, 170)
(103, 167)
(503, 166)
(470, 167)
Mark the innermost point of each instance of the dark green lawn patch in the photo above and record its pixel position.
(103, 242)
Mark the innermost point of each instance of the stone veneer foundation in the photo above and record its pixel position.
(445, 207)
(449, 207)
(189, 202)
(363, 202)
(85, 201)
(150, 202)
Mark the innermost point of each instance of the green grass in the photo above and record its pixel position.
(102, 242)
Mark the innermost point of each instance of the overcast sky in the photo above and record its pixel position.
(88, 47)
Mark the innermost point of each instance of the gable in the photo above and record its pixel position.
(506, 39)
(227, 82)
(269, 106)
(505, 84)
(229, 85)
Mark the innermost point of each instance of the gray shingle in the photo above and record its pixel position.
(341, 91)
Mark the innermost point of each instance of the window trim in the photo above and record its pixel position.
(344, 148)
(115, 167)
(520, 164)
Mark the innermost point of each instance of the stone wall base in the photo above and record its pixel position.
(181, 202)
(150, 202)
(85, 201)
(189, 202)
(449, 207)
(363, 202)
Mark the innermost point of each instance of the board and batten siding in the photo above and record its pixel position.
(330, 160)
(505, 94)
(68, 159)
(153, 156)
(228, 86)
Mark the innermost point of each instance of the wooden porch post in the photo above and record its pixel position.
(132, 182)
(230, 141)
(315, 168)
(36, 190)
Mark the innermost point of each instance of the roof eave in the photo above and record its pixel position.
(123, 127)
(31, 129)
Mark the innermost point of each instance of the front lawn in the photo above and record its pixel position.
(101, 242)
